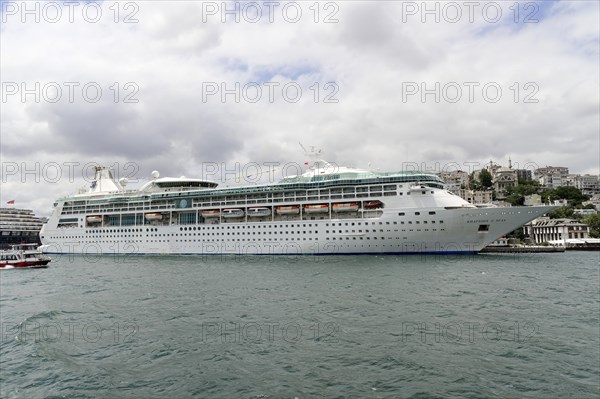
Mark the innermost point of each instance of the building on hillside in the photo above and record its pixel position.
(555, 231)
(585, 211)
(551, 170)
(595, 200)
(476, 196)
(533, 199)
(504, 178)
(455, 181)
(524, 174)
(588, 184)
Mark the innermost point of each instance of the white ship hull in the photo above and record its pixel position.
(388, 215)
(448, 231)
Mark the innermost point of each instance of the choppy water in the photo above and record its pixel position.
(333, 327)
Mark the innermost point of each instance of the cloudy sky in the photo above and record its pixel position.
(188, 87)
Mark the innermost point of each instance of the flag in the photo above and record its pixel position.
(11, 202)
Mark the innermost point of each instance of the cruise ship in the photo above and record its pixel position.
(18, 226)
(327, 210)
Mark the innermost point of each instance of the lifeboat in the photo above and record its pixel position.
(320, 208)
(373, 205)
(211, 213)
(94, 219)
(233, 213)
(346, 207)
(288, 210)
(259, 212)
(153, 216)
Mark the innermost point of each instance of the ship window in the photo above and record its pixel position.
(483, 227)
(417, 213)
(401, 214)
(432, 212)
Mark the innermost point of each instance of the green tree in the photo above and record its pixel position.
(516, 194)
(485, 178)
(528, 182)
(473, 184)
(564, 212)
(571, 194)
(594, 222)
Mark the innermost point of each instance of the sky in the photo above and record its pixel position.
(217, 89)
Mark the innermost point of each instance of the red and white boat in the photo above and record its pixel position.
(321, 208)
(345, 207)
(288, 210)
(211, 213)
(153, 216)
(23, 256)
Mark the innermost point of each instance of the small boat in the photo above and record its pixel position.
(23, 256)
(233, 213)
(320, 208)
(288, 210)
(259, 211)
(345, 207)
(211, 213)
(153, 216)
(94, 219)
(373, 205)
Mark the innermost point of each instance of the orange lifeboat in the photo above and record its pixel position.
(211, 213)
(320, 208)
(346, 207)
(288, 210)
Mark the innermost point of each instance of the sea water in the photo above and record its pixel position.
(481, 326)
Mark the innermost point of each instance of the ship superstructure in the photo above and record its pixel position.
(18, 226)
(326, 210)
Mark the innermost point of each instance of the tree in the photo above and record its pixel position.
(571, 194)
(515, 199)
(516, 194)
(528, 182)
(594, 222)
(564, 212)
(485, 178)
(472, 182)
